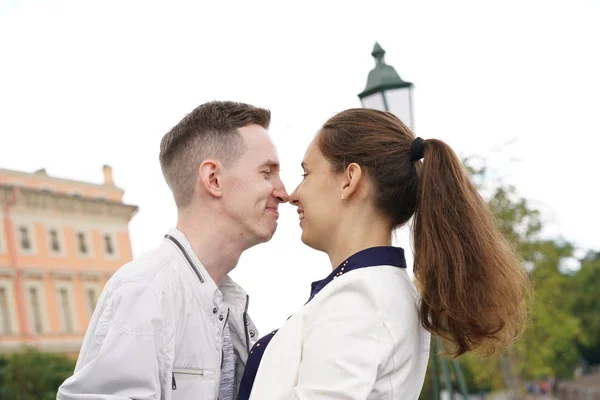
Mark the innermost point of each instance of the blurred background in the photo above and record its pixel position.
(88, 89)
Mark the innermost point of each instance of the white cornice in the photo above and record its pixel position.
(33, 199)
(47, 178)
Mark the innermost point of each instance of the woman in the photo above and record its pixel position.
(365, 331)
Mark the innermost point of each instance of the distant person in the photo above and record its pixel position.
(171, 324)
(365, 331)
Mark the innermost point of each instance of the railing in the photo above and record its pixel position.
(585, 387)
(572, 391)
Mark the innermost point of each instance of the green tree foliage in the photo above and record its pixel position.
(33, 375)
(585, 305)
(547, 347)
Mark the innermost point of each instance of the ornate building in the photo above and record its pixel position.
(60, 241)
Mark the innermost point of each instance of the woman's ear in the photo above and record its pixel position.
(352, 177)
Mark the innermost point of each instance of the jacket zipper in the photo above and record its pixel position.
(246, 323)
(186, 256)
(226, 319)
(183, 372)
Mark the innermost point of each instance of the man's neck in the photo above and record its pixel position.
(218, 251)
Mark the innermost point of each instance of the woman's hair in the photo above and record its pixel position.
(472, 285)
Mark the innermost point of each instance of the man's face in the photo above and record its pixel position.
(252, 187)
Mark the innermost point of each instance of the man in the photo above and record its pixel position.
(171, 324)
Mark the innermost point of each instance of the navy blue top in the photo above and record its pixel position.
(384, 255)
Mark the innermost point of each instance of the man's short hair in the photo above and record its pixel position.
(209, 131)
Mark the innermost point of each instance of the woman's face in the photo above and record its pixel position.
(319, 200)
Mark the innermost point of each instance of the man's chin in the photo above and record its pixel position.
(270, 236)
(264, 237)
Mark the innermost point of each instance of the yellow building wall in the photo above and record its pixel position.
(42, 268)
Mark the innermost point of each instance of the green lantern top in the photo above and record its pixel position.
(382, 77)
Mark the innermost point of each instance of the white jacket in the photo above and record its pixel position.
(359, 338)
(156, 332)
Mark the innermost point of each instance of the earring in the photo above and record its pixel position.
(343, 199)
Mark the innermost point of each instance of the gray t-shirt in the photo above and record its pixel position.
(227, 384)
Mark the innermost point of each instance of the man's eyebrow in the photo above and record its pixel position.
(270, 163)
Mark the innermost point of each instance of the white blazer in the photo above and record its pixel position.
(359, 338)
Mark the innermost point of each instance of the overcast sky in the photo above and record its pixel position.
(85, 83)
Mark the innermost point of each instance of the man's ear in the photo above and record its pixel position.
(209, 177)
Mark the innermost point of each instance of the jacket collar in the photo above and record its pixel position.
(373, 256)
(227, 291)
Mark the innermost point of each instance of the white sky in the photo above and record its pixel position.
(84, 84)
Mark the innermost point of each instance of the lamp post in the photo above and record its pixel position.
(386, 91)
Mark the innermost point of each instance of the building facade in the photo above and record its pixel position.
(60, 241)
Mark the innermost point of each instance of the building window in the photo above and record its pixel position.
(65, 305)
(35, 308)
(5, 326)
(25, 239)
(108, 245)
(92, 300)
(54, 242)
(82, 244)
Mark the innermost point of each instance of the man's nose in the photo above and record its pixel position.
(280, 193)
